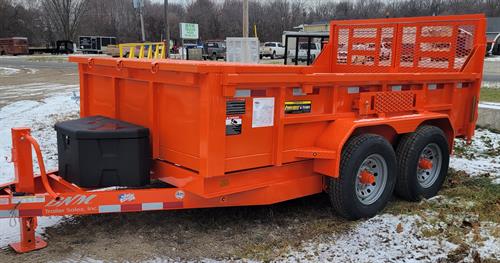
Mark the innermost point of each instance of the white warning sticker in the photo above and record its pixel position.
(231, 120)
(28, 199)
(263, 112)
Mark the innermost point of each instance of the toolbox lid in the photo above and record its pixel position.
(100, 127)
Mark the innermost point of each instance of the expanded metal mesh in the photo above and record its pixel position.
(405, 47)
(394, 101)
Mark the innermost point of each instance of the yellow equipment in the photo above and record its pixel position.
(148, 50)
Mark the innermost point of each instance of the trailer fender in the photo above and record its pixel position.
(339, 131)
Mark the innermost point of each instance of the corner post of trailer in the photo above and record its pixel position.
(286, 48)
(308, 50)
(297, 50)
(25, 185)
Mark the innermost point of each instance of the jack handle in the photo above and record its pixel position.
(43, 173)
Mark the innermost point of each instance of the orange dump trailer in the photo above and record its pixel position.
(376, 113)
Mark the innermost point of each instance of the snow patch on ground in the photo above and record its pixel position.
(389, 238)
(491, 84)
(481, 157)
(8, 71)
(489, 105)
(9, 228)
(39, 116)
(492, 58)
(384, 238)
(483, 242)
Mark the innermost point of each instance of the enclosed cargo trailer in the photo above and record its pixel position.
(95, 44)
(377, 112)
(14, 46)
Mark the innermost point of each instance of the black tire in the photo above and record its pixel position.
(342, 190)
(409, 153)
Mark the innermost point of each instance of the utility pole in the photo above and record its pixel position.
(142, 26)
(139, 4)
(167, 27)
(245, 18)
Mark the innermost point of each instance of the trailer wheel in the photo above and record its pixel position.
(423, 160)
(367, 177)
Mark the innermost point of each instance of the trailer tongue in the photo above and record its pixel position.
(377, 112)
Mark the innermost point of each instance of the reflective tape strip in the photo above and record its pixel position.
(102, 209)
(152, 206)
(168, 205)
(28, 199)
(131, 207)
(9, 213)
(30, 212)
(110, 208)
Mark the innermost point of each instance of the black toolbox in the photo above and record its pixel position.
(98, 152)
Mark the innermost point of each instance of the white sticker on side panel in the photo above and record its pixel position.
(263, 112)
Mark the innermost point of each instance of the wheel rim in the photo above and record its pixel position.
(429, 165)
(371, 179)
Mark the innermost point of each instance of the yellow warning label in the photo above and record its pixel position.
(301, 106)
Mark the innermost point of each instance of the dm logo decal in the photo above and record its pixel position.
(126, 198)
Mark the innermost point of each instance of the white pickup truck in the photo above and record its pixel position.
(272, 50)
(302, 54)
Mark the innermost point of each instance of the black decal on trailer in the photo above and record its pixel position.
(233, 125)
(235, 107)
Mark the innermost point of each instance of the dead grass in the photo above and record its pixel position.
(490, 94)
(462, 195)
(260, 233)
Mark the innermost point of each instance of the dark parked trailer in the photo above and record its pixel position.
(60, 47)
(95, 44)
(14, 46)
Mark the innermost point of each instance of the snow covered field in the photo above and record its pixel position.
(13, 71)
(387, 237)
(492, 58)
(491, 84)
(39, 116)
(480, 158)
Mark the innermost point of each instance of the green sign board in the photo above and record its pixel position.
(189, 31)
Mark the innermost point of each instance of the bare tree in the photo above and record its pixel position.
(205, 14)
(43, 21)
(231, 20)
(65, 15)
